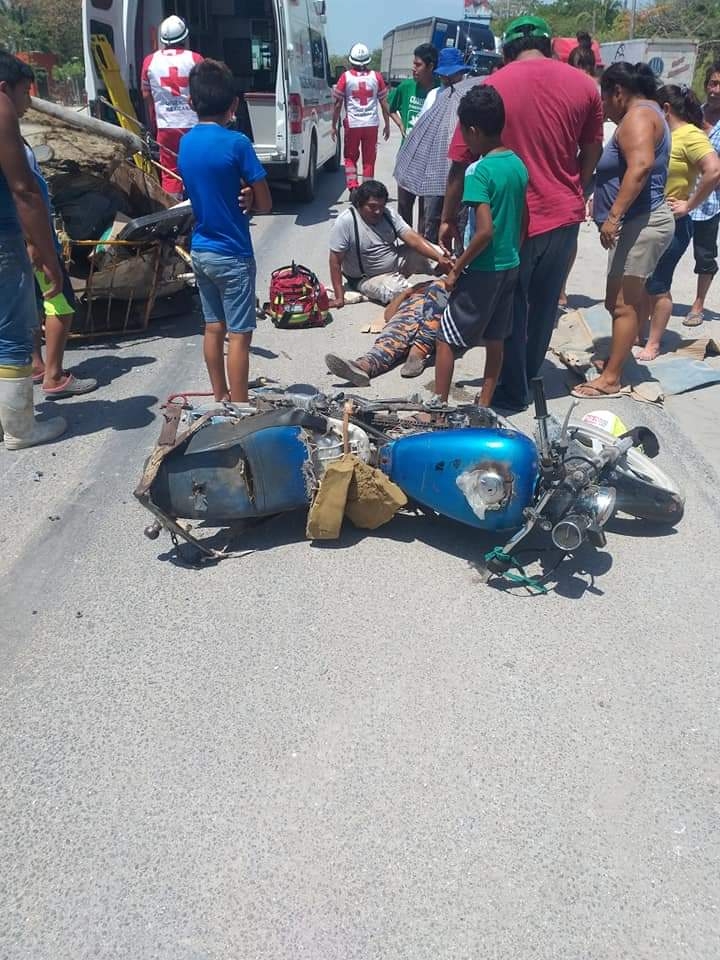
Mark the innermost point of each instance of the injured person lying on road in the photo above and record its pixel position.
(375, 251)
(412, 322)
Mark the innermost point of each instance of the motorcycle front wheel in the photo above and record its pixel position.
(643, 490)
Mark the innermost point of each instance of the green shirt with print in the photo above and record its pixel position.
(499, 179)
(407, 99)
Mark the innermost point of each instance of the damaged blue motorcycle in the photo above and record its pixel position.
(227, 462)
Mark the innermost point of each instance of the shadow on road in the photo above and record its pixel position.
(683, 309)
(569, 576)
(578, 301)
(330, 188)
(94, 416)
(185, 323)
(108, 368)
(632, 527)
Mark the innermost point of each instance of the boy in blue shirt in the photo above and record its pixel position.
(225, 183)
(483, 279)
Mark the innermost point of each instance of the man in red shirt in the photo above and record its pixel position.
(554, 123)
(166, 94)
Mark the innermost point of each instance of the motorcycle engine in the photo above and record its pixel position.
(328, 447)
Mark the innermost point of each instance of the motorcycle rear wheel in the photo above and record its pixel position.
(643, 490)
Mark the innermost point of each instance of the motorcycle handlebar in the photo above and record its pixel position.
(539, 398)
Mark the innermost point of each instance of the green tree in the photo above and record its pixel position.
(566, 17)
(49, 26)
(20, 30)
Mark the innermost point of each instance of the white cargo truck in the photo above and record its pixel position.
(672, 61)
(277, 52)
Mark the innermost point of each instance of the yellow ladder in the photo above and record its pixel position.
(107, 67)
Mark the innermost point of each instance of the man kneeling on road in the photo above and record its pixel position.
(364, 249)
(412, 322)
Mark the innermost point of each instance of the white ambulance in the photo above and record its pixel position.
(276, 50)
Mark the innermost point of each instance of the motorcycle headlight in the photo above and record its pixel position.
(604, 504)
(570, 532)
(591, 513)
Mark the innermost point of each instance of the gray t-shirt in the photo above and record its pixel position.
(377, 244)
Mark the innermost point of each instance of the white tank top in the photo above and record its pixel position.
(165, 73)
(361, 92)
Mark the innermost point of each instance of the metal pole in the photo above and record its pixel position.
(633, 11)
(89, 124)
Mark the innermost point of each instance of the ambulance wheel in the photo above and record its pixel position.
(304, 190)
(335, 163)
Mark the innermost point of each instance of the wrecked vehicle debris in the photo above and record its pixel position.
(365, 459)
(120, 238)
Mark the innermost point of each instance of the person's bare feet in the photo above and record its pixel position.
(651, 351)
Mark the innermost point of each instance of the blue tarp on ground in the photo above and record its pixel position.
(583, 334)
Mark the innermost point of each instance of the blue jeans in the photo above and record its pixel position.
(544, 264)
(662, 278)
(227, 290)
(18, 311)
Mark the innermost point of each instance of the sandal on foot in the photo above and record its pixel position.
(597, 392)
(694, 318)
(347, 370)
(38, 377)
(70, 387)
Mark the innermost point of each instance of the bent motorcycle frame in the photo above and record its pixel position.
(168, 442)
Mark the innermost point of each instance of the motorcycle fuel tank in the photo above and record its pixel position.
(481, 477)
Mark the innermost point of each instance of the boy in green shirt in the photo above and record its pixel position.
(484, 277)
(405, 103)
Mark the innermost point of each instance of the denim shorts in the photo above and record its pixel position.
(662, 277)
(227, 290)
(18, 311)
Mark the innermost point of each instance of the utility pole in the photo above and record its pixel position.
(633, 11)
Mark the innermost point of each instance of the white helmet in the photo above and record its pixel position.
(359, 55)
(173, 30)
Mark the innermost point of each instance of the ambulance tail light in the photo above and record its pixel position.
(295, 113)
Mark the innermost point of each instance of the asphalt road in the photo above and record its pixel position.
(354, 750)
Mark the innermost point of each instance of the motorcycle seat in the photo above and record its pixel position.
(220, 436)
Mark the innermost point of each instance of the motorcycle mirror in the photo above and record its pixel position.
(645, 438)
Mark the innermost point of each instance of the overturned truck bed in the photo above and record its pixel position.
(120, 238)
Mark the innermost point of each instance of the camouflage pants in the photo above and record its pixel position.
(394, 343)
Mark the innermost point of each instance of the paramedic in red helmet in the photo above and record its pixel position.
(360, 90)
(165, 90)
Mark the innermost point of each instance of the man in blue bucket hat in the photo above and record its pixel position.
(451, 68)
(451, 63)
